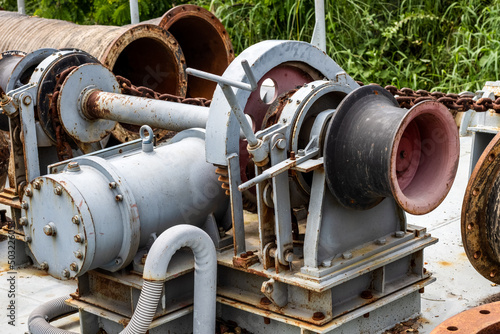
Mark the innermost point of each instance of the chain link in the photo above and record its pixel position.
(407, 98)
(129, 89)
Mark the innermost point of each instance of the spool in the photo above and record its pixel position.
(204, 41)
(145, 54)
(374, 149)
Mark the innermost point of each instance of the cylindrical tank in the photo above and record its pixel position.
(145, 54)
(97, 213)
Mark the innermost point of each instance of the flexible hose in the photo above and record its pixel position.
(38, 321)
(146, 308)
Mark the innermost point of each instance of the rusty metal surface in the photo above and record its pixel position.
(479, 225)
(484, 319)
(146, 54)
(204, 42)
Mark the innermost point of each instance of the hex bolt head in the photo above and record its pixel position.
(27, 100)
(73, 166)
(78, 238)
(317, 316)
(289, 256)
(119, 198)
(399, 234)
(73, 267)
(381, 241)
(24, 205)
(37, 185)
(79, 255)
(44, 266)
(281, 144)
(76, 219)
(112, 185)
(28, 192)
(58, 191)
(50, 229)
(347, 255)
(23, 221)
(66, 273)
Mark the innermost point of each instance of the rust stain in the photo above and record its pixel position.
(445, 263)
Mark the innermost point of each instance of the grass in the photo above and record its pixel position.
(445, 45)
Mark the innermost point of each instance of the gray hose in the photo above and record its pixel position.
(146, 308)
(38, 321)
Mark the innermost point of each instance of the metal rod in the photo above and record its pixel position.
(319, 34)
(249, 73)
(240, 115)
(220, 80)
(21, 8)
(140, 111)
(134, 11)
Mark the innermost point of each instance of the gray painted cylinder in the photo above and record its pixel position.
(103, 210)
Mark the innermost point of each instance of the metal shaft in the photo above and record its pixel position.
(139, 110)
(134, 11)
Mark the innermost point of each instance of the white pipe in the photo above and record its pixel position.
(155, 274)
(134, 11)
(319, 34)
(21, 9)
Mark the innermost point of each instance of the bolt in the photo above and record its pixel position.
(265, 301)
(399, 234)
(119, 198)
(118, 261)
(267, 321)
(249, 253)
(28, 239)
(24, 205)
(327, 263)
(28, 192)
(73, 166)
(289, 256)
(301, 152)
(66, 273)
(298, 102)
(73, 266)
(112, 185)
(366, 315)
(37, 185)
(44, 266)
(78, 238)
(78, 255)
(367, 294)
(50, 229)
(381, 241)
(23, 221)
(347, 255)
(243, 255)
(292, 155)
(27, 100)
(76, 220)
(58, 191)
(421, 290)
(317, 316)
(281, 144)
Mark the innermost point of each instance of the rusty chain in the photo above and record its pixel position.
(407, 98)
(129, 89)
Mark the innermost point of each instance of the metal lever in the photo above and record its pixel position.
(259, 151)
(309, 152)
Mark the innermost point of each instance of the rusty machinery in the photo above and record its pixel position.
(332, 168)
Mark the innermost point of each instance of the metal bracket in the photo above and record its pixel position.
(276, 292)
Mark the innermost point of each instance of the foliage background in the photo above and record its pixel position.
(423, 44)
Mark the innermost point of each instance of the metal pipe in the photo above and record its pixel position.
(134, 11)
(205, 270)
(145, 54)
(319, 34)
(21, 8)
(139, 110)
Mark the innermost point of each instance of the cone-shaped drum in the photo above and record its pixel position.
(375, 149)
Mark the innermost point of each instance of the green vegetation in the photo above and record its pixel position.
(422, 44)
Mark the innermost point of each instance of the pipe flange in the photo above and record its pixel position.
(480, 221)
(482, 319)
(45, 77)
(79, 82)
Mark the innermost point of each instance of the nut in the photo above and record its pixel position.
(37, 185)
(58, 191)
(24, 205)
(78, 255)
(112, 185)
(44, 266)
(119, 198)
(318, 316)
(73, 266)
(66, 273)
(50, 229)
(78, 238)
(23, 221)
(28, 192)
(76, 219)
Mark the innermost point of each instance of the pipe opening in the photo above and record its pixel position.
(424, 158)
(149, 62)
(206, 52)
